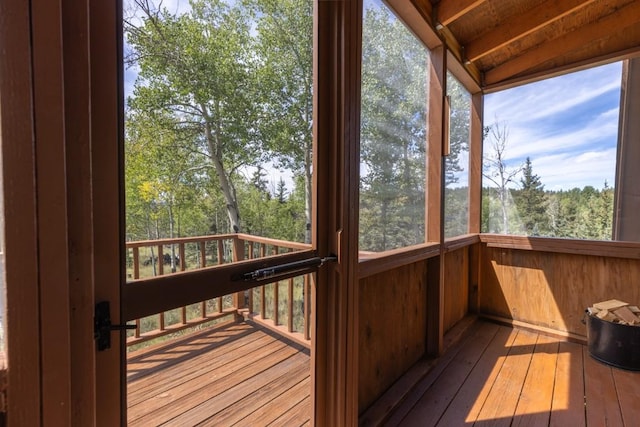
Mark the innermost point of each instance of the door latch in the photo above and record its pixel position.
(102, 326)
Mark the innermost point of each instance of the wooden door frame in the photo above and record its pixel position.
(337, 64)
(57, 134)
(61, 184)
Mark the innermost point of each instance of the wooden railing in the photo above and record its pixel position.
(272, 304)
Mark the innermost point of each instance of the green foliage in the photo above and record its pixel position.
(220, 88)
(531, 203)
(456, 195)
(393, 134)
(585, 213)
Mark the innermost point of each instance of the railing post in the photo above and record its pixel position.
(263, 304)
(220, 252)
(182, 255)
(160, 260)
(251, 256)
(290, 305)
(203, 264)
(136, 263)
(306, 292)
(238, 255)
(276, 301)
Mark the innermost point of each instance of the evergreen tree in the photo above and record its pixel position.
(531, 202)
(393, 133)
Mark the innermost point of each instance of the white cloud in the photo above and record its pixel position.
(566, 147)
(553, 96)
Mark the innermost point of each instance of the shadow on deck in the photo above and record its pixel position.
(238, 373)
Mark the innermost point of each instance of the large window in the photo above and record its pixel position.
(393, 133)
(550, 156)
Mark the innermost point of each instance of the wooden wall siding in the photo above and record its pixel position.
(456, 286)
(553, 289)
(392, 328)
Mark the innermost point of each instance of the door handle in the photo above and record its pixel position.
(288, 268)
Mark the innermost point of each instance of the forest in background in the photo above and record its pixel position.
(223, 98)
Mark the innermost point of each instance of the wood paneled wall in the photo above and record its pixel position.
(551, 289)
(456, 286)
(392, 327)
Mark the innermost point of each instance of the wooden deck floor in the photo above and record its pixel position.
(238, 374)
(498, 376)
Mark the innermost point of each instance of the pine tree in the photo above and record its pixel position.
(531, 202)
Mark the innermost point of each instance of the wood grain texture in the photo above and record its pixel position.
(567, 407)
(52, 211)
(534, 407)
(602, 407)
(237, 373)
(469, 401)
(552, 290)
(20, 215)
(392, 332)
(456, 287)
(438, 397)
(502, 376)
(500, 405)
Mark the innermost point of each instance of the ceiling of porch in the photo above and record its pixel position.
(503, 41)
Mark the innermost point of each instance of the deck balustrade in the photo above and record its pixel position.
(283, 306)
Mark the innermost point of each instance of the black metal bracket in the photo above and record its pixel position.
(278, 270)
(102, 326)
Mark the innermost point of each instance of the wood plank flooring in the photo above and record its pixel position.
(237, 374)
(499, 376)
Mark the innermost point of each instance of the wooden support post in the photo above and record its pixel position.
(137, 331)
(238, 255)
(161, 321)
(263, 304)
(436, 119)
(220, 252)
(276, 303)
(182, 254)
(160, 263)
(435, 199)
(136, 263)
(306, 295)
(203, 254)
(290, 305)
(627, 191)
(475, 164)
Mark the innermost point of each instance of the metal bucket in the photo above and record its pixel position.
(614, 344)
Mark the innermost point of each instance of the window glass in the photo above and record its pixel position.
(549, 158)
(393, 133)
(456, 174)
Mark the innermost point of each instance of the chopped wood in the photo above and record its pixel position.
(627, 315)
(593, 311)
(610, 305)
(606, 315)
(616, 311)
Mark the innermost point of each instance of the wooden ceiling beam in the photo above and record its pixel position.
(521, 25)
(610, 24)
(448, 11)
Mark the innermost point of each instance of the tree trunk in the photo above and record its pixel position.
(225, 183)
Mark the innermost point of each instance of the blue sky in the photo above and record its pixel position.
(567, 125)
